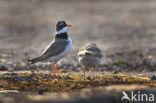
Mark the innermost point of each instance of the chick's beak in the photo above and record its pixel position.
(68, 25)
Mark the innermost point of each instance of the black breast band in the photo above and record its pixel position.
(62, 36)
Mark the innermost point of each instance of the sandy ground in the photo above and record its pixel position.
(41, 87)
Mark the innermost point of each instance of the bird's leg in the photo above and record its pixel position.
(84, 73)
(58, 75)
(93, 74)
(53, 67)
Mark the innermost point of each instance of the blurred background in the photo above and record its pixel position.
(123, 29)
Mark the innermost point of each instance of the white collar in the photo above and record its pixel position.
(63, 30)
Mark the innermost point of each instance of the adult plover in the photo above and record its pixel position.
(89, 56)
(57, 49)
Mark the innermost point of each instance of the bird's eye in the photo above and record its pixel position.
(80, 55)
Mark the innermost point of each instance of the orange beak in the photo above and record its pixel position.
(68, 25)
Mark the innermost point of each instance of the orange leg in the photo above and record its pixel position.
(53, 67)
(58, 75)
(84, 73)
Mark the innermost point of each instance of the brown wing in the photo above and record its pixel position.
(90, 48)
(54, 49)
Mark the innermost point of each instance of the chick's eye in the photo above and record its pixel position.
(80, 55)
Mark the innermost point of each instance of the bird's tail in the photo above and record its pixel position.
(34, 60)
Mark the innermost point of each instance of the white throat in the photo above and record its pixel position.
(63, 30)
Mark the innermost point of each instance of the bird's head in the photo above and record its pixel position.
(61, 27)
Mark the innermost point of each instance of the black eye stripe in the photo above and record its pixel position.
(60, 25)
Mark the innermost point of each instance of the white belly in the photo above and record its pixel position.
(63, 54)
